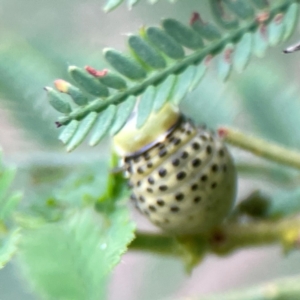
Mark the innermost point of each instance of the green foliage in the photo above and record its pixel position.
(72, 231)
(158, 58)
(9, 235)
(71, 259)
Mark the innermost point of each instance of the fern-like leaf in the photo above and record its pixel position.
(158, 59)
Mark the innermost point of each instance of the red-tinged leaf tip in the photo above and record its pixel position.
(208, 59)
(96, 73)
(278, 18)
(62, 85)
(227, 55)
(262, 17)
(194, 18)
(222, 132)
(58, 124)
(263, 31)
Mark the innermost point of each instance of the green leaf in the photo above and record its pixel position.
(7, 176)
(125, 65)
(163, 93)
(224, 63)
(103, 124)
(241, 8)
(183, 34)
(183, 85)
(10, 205)
(145, 106)
(290, 20)
(207, 30)
(75, 93)
(70, 260)
(164, 43)
(225, 21)
(113, 81)
(123, 113)
(260, 4)
(9, 246)
(153, 45)
(260, 41)
(88, 82)
(213, 107)
(198, 75)
(276, 30)
(68, 132)
(82, 131)
(242, 52)
(145, 52)
(57, 101)
(111, 5)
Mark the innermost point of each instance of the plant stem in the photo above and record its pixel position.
(288, 289)
(228, 238)
(261, 147)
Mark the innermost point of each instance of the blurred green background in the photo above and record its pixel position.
(40, 39)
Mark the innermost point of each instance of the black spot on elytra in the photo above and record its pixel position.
(194, 187)
(196, 146)
(149, 165)
(208, 149)
(163, 188)
(196, 162)
(174, 209)
(197, 199)
(215, 168)
(151, 180)
(179, 196)
(160, 202)
(184, 155)
(152, 208)
(162, 172)
(203, 178)
(175, 162)
(162, 153)
(180, 175)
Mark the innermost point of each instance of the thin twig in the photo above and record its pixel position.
(226, 239)
(261, 147)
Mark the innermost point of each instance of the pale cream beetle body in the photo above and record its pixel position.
(182, 176)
